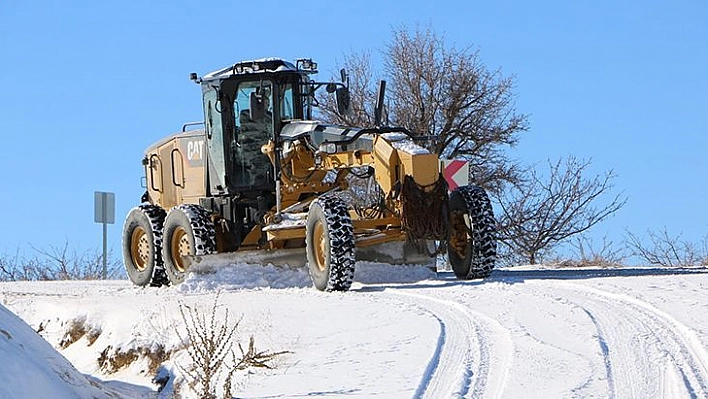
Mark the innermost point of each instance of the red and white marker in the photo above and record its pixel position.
(456, 172)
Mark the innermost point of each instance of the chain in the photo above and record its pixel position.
(425, 209)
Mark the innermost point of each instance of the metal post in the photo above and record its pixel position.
(105, 268)
(104, 199)
(104, 209)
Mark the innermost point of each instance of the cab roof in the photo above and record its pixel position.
(264, 65)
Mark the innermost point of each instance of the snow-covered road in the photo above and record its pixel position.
(404, 332)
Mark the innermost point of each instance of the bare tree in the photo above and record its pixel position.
(440, 91)
(669, 251)
(63, 263)
(9, 269)
(539, 213)
(58, 263)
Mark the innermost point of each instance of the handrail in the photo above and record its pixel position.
(184, 127)
(377, 130)
(174, 167)
(152, 174)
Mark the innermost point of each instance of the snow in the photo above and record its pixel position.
(402, 142)
(290, 221)
(402, 331)
(228, 71)
(31, 368)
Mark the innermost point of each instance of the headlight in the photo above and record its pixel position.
(328, 148)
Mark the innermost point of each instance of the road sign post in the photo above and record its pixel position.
(104, 212)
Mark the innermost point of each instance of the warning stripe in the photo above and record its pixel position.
(450, 170)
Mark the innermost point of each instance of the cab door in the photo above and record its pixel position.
(250, 168)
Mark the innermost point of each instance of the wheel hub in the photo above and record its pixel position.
(459, 232)
(320, 246)
(181, 249)
(140, 248)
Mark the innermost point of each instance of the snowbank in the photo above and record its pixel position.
(31, 368)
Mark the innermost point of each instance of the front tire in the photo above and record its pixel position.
(188, 233)
(329, 241)
(472, 245)
(142, 245)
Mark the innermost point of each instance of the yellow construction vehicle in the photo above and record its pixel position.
(262, 175)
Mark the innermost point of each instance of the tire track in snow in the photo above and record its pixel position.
(463, 364)
(645, 350)
(605, 349)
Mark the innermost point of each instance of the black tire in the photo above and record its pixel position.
(188, 233)
(142, 245)
(329, 241)
(472, 244)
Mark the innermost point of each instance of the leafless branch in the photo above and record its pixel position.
(666, 250)
(540, 212)
(362, 89)
(59, 263)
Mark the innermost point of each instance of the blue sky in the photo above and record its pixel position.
(88, 85)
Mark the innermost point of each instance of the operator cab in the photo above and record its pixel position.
(245, 106)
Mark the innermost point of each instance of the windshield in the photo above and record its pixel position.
(286, 102)
(250, 167)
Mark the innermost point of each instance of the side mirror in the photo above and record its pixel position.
(343, 100)
(258, 107)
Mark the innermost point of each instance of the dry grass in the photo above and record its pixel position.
(210, 346)
(112, 359)
(76, 329)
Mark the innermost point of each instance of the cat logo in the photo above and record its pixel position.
(195, 150)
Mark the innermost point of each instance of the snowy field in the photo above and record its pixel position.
(400, 332)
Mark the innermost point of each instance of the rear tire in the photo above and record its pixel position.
(142, 245)
(188, 233)
(329, 241)
(472, 245)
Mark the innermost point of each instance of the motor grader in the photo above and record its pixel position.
(261, 175)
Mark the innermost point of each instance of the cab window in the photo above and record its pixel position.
(287, 110)
(250, 167)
